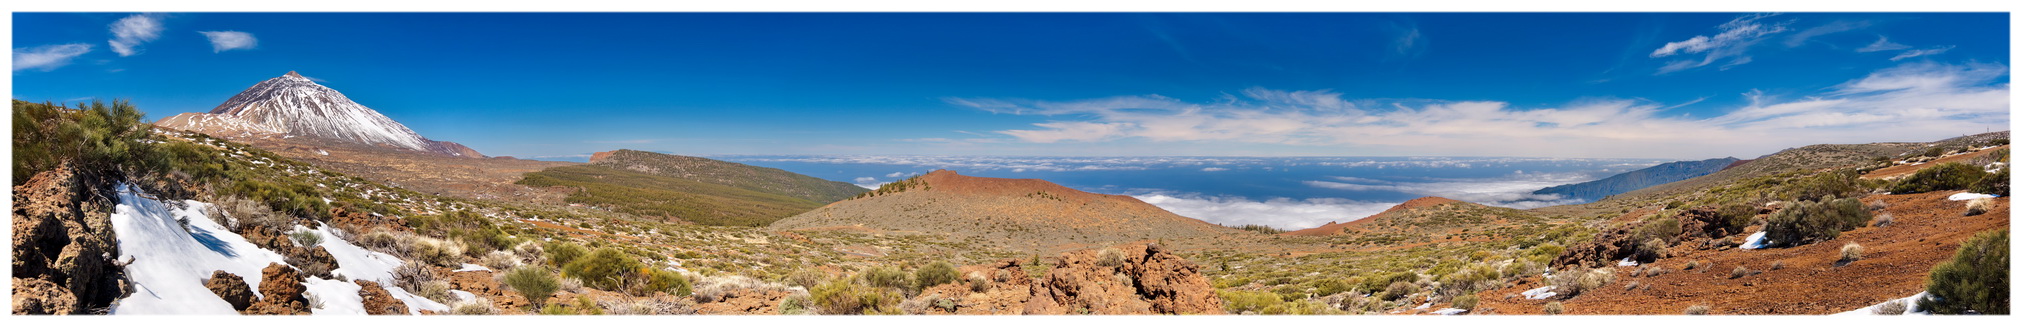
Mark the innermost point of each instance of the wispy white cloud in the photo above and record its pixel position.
(1275, 212)
(130, 32)
(1799, 38)
(1731, 44)
(1921, 52)
(48, 57)
(1916, 101)
(1214, 169)
(222, 41)
(1882, 44)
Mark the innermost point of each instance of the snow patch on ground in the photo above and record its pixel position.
(1450, 311)
(1963, 196)
(1627, 262)
(415, 303)
(1909, 305)
(1540, 293)
(333, 297)
(170, 263)
(462, 295)
(472, 267)
(355, 262)
(1756, 241)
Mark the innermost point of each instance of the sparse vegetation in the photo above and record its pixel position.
(534, 283)
(1891, 308)
(1850, 252)
(1805, 222)
(1978, 206)
(1466, 302)
(1995, 183)
(604, 269)
(1109, 257)
(937, 273)
(1698, 310)
(1975, 280)
(1944, 176)
(1555, 307)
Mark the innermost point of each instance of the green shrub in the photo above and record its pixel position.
(1109, 257)
(1382, 282)
(937, 273)
(666, 281)
(1466, 302)
(1837, 183)
(604, 269)
(1398, 290)
(1238, 301)
(562, 253)
(1974, 281)
(1651, 250)
(1805, 222)
(1329, 286)
(1737, 217)
(886, 277)
(1945, 176)
(844, 297)
(808, 278)
(536, 284)
(1995, 183)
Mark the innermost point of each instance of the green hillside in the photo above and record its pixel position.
(748, 177)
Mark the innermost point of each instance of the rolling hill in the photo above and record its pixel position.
(1640, 178)
(1016, 213)
(690, 189)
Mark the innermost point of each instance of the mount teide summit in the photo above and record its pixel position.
(293, 106)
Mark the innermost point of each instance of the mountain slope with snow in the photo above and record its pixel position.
(294, 106)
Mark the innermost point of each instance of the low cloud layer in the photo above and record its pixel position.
(1915, 101)
(1282, 213)
(1512, 191)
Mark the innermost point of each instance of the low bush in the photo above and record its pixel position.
(1975, 280)
(937, 273)
(1737, 217)
(1945, 176)
(1739, 272)
(656, 280)
(562, 253)
(1884, 220)
(1891, 308)
(1805, 222)
(845, 297)
(1698, 310)
(604, 269)
(1398, 290)
(1651, 250)
(417, 278)
(534, 283)
(808, 278)
(1238, 301)
(1466, 302)
(886, 277)
(1850, 252)
(1995, 183)
(1575, 282)
(1978, 206)
(1109, 257)
(478, 306)
(1555, 308)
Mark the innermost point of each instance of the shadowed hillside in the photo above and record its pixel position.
(692, 189)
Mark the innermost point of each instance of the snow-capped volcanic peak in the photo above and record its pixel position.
(294, 105)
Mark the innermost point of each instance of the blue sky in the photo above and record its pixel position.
(542, 85)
